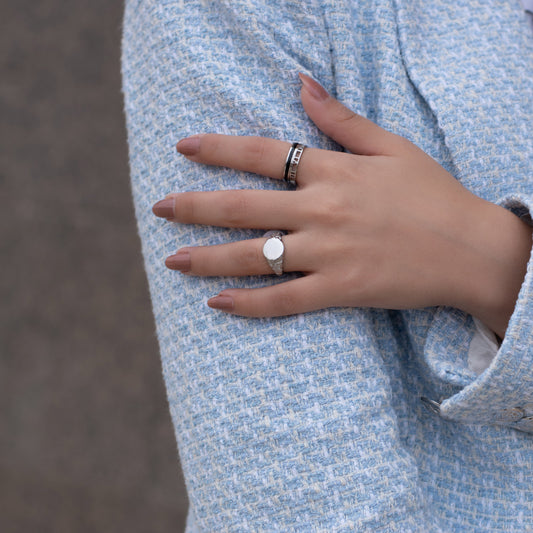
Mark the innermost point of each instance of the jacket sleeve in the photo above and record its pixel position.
(285, 424)
(503, 393)
(473, 67)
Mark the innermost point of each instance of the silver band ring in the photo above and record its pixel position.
(291, 163)
(274, 250)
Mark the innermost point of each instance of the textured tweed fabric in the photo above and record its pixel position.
(314, 422)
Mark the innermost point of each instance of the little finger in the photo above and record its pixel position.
(291, 297)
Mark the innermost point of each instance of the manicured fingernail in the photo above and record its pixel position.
(164, 208)
(189, 146)
(222, 302)
(315, 89)
(181, 261)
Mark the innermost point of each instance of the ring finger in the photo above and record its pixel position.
(242, 258)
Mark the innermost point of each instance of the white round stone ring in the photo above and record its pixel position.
(273, 250)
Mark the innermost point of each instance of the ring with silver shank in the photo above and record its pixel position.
(291, 163)
(274, 250)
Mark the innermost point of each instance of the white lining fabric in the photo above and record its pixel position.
(527, 5)
(483, 348)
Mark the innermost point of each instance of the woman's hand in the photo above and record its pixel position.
(385, 226)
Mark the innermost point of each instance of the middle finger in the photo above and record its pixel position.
(239, 209)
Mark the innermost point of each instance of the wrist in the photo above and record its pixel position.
(495, 264)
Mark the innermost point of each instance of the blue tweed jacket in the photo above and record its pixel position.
(314, 422)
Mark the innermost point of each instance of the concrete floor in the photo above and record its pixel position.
(86, 441)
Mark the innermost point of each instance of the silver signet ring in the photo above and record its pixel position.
(273, 251)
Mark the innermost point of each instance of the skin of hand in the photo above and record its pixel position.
(383, 226)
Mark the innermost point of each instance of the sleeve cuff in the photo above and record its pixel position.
(503, 393)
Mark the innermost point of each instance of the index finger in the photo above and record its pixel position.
(260, 155)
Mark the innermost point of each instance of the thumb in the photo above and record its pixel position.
(356, 133)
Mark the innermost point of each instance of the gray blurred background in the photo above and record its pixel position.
(86, 441)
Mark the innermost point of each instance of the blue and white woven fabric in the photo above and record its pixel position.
(314, 422)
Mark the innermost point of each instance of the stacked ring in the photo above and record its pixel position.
(291, 163)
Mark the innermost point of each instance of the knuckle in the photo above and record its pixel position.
(330, 212)
(326, 212)
(328, 164)
(200, 264)
(341, 168)
(210, 143)
(364, 280)
(245, 304)
(235, 209)
(345, 115)
(185, 207)
(358, 166)
(255, 151)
